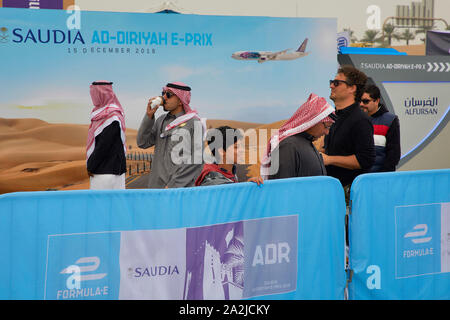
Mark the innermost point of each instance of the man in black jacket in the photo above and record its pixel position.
(386, 128)
(106, 147)
(349, 147)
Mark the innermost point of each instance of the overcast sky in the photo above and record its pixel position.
(349, 13)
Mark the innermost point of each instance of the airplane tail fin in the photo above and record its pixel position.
(302, 47)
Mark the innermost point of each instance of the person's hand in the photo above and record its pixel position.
(151, 111)
(258, 180)
(326, 159)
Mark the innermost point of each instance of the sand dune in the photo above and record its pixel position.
(214, 123)
(36, 155)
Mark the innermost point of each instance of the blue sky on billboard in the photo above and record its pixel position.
(51, 80)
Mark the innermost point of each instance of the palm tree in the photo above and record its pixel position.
(407, 35)
(389, 32)
(370, 36)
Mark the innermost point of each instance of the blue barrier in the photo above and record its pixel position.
(380, 51)
(400, 235)
(282, 240)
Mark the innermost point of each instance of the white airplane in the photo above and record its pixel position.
(263, 56)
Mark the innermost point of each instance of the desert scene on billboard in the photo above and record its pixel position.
(250, 73)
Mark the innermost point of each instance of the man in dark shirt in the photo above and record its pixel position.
(291, 153)
(386, 128)
(349, 147)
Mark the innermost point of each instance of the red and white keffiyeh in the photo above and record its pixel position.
(107, 109)
(316, 109)
(182, 91)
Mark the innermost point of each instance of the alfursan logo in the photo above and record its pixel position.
(418, 237)
(78, 275)
(47, 36)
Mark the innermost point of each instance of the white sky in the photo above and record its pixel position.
(350, 13)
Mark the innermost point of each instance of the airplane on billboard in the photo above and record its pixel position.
(263, 56)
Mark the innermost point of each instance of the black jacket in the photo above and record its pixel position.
(108, 156)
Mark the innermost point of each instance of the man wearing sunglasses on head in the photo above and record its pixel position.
(386, 129)
(177, 137)
(349, 147)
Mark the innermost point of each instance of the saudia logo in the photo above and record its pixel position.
(418, 237)
(47, 36)
(153, 271)
(4, 36)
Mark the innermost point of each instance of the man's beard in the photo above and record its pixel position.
(332, 98)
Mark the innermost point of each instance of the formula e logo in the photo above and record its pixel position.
(418, 236)
(75, 271)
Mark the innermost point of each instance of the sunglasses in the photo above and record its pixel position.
(168, 94)
(366, 101)
(337, 82)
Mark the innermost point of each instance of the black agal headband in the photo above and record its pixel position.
(176, 86)
(101, 83)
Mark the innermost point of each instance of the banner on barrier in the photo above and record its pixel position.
(422, 239)
(204, 263)
(400, 240)
(235, 241)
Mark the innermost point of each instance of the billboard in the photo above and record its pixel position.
(50, 57)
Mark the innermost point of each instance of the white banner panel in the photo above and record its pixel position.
(152, 264)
